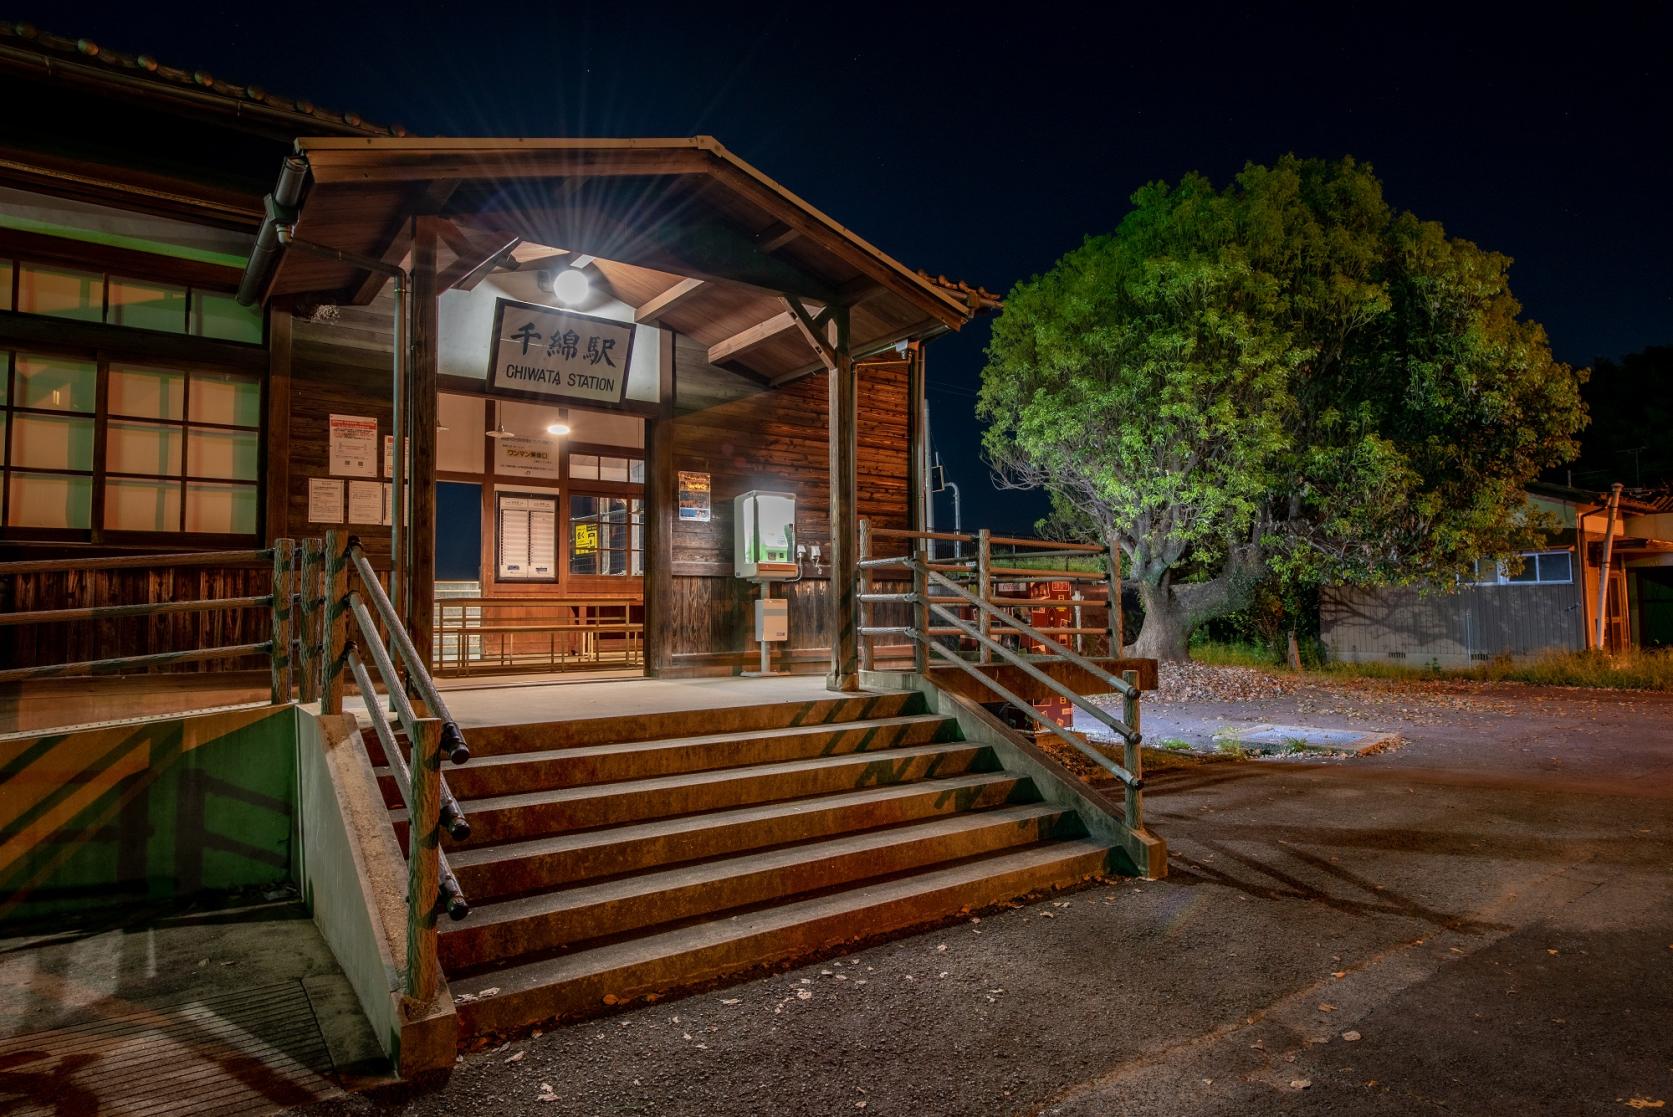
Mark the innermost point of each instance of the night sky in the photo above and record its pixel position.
(985, 147)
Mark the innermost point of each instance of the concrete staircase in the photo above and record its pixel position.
(619, 857)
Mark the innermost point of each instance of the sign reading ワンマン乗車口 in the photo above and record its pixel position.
(548, 353)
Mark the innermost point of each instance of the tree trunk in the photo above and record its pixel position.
(1172, 612)
(1166, 631)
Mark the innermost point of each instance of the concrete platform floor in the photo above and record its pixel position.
(233, 1011)
(547, 700)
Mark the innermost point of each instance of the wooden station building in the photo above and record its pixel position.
(203, 291)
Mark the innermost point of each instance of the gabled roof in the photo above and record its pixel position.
(686, 208)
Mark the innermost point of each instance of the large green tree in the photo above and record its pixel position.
(1281, 377)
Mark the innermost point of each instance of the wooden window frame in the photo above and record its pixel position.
(96, 533)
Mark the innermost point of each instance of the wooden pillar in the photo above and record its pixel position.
(917, 454)
(334, 624)
(276, 450)
(421, 428)
(660, 499)
(1132, 755)
(283, 614)
(423, 858)
(843, 428)
(312, 555)
(984, 588)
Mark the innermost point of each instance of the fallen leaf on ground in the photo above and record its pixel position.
(1645, 1103)
(1351, 1037)
(516, 1058)
(1300, 1083)
(1326, 1006)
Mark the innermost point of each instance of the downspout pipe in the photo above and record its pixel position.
(281, 211)
(286, 236)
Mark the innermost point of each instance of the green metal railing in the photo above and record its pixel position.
(277, 648)
(943, 608)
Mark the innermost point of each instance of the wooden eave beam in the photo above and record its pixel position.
(483, 270)
(698, 250)
(929, 327)
(775, 237)
(858, 255)
(426, 198)
(372, 166)
(476, 259)
(813, 329)
(658, 305)
(745, 340)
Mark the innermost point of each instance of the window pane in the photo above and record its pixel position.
(636, 470)
(224, 398)
(1554, 566)
(61, 292)
(49, 500)
(5, 375)
(143, 448)
(52, 441)
(1528, 573)
(216, 315)
(583, 467)
(224, 509)
(5, 284)
(142, 505)
(151, 393)
(218, 453)
(56, 383)
(612, 469)
(144, 305)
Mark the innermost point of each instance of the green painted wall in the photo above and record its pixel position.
(104, 819)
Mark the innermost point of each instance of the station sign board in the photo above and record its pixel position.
(545, 353)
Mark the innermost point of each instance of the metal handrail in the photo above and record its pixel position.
(133, 562)
(452, 896)
(934, 594)
(122, 663)
(276, 648)
(418, 673)
(1120, 686)
(431, 807)
(452, 817)
(143, 609)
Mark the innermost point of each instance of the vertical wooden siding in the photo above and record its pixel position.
(776, 440)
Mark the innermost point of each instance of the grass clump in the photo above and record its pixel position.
(1629, 670)
(1222, 654)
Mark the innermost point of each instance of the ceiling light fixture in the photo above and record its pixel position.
(561, 427)
(570, 286)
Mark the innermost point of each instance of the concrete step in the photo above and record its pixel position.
(534, 814)
(549, 769)
(497, 740)
(487, 873)
(575, 984)
(545, 921)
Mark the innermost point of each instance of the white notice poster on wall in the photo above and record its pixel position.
(354, 446)
(526, 457)
(325, 501)
(365, 502)
(527, 538)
